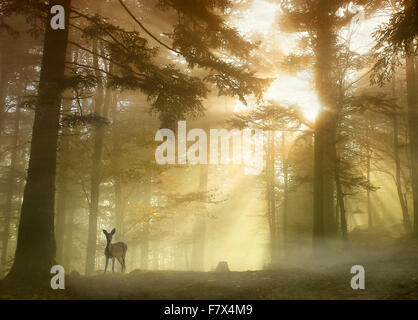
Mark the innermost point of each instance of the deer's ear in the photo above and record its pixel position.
(113, 231)
(104, 231)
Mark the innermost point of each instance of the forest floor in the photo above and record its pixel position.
(391, 272)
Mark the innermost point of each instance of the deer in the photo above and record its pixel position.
(114, 250)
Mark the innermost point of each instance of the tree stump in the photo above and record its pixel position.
(222, 267)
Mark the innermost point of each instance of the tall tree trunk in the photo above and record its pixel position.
(271, 198)
(285, 190)
(337, 214)
(341, 203)
(398, 179)
(95, 169)
(102, 106)
(95, 183)
(117, 185)
(199, 227)
(368, 151)
(325, 129)
(11, 183)
(318, 216)
(62, 193)
(398, 166)
(35, 250)
(63, 178)
(118, 208)
(69, 223)
(145, 232)
(68, 240)
(3, 86)
(413, 129)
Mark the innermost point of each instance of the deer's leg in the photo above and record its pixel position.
(123, 257)
(113, 264)
(107, 261)
(121, 264)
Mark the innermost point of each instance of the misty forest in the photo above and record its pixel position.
(92, 91)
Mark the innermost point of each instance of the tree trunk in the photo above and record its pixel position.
(144, 247)
(271, 199)
(285, 190)
(118, 209)
(119, 205)
(398, 178)
(318, 215)
(35, 251)
(69, 223)
(186, 256)
(325, 129)
(413, 130)
(199, 227)
(340, 201)
(102, 106)
(95, 182)
(68, 240)
(3, 85)
(134, 256)
(95, 169)
(62, 182)
(145, 232)
(369, 203)
(156, 255)
(11, 183)
(337, 214)
(62, 193)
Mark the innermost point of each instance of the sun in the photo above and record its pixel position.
(295, 90)
(258, 18)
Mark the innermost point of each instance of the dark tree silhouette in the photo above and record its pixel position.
(35, 251)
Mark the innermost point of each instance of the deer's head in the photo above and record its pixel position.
(109, 235)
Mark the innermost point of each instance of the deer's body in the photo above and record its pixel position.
(115, 251)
